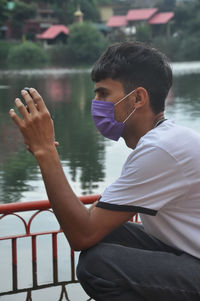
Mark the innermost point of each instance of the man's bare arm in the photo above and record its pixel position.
(82, 227)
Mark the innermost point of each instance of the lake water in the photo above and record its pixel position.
(90, 161)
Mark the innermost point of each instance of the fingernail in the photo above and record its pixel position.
(11, 111)
(17, 100)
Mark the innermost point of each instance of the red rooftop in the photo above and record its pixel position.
(117, 21)
(53, 31)
(140, 14)
(161, 18)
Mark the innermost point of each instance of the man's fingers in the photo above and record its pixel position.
(28, 148)
(15, 118)
(38, 100)
(22, 109)
(31, 107)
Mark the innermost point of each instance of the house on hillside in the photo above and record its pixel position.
(137, 17)
(164, 20)
(54, 34)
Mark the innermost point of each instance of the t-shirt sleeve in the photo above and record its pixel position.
(150, 179)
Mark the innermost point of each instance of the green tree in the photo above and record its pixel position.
(170, 46)
(143, 33)
(85, 43)
(19, 14)
(187, 28)
(90, 9)
(166, 5)
(27, 55)
(190, 49)
(65, 9)
(5, 47)
(187, 18)
(4, 13)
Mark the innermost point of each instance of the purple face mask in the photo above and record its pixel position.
(103, 114)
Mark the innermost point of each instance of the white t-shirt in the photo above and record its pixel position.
(161, 181)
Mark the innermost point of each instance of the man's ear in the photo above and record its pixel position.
(138, 98)
(141, 97)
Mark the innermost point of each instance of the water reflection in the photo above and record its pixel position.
(81, 149)
(185, 107)
(81, 146)
(87, 157)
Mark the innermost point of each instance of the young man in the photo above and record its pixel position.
(159, 260)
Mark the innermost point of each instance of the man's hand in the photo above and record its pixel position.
(36, 124)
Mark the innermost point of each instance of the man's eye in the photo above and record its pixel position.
(103, 95)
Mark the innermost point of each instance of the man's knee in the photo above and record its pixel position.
(89, 261)
(94, 274)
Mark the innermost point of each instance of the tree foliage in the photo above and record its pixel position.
(5, 47)
(65, 9)
(4, 13)
(143, 33)
(28, 55)
(21, 12)
(166, 5)
(187, 18)
(85, 43)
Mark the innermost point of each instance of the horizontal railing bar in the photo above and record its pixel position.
(39, 205)
(31, 234)
(23, 290)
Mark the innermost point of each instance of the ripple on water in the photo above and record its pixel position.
(179, 68)
(42, 72)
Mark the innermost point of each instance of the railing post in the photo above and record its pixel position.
(29, 295)
(72, 266)
(14, 263)
(34, 260)
(55, 257)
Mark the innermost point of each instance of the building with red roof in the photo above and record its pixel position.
(54, 33)
(161, 23)
(140, 14)
(161, 18)
(117, 21)
(135, 17)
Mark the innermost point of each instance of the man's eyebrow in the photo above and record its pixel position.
(100, 89)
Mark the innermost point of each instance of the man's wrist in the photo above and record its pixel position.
(41, 154)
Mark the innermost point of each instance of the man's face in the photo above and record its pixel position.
(112, 91)
(108, 90)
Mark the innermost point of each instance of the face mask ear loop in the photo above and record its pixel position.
(124, 97)
(129, 116)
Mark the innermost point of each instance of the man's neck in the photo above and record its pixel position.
(134, 132)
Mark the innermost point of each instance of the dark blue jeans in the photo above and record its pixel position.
(130, 265)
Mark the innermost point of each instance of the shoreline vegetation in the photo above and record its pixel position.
(32, 55)
(84, 46)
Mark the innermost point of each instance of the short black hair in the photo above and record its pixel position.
(136, 64)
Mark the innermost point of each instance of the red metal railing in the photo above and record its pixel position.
(15, 209)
